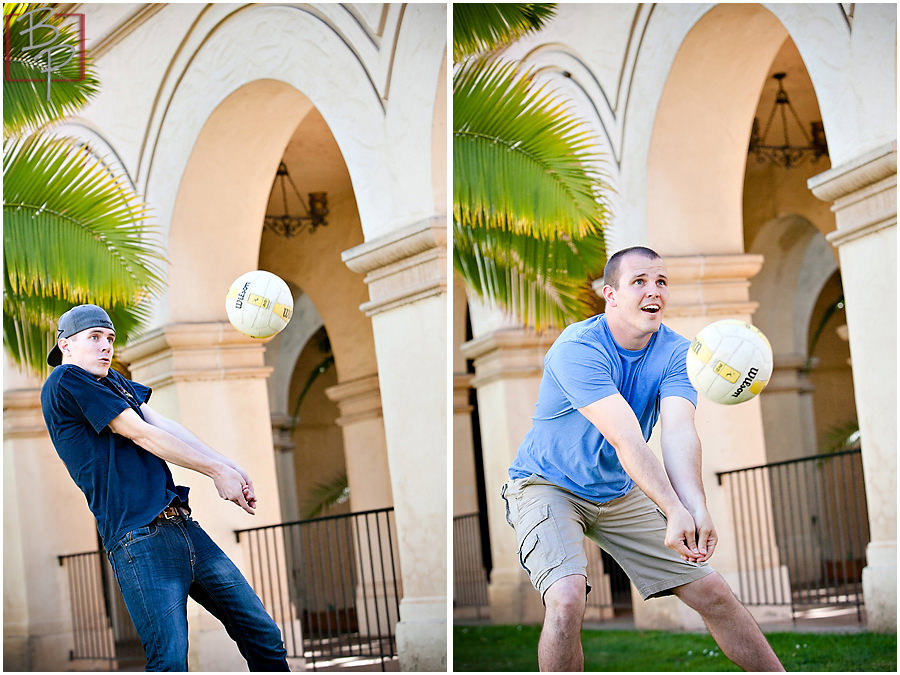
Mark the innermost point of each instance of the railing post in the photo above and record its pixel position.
(816, 504)
(332, 582)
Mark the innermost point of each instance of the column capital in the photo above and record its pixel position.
(462, 382)
(282, 428)
(185, 352)
(22, 416)
(711, 285)
(863, 193)
(358, 399)
(508, 353)
(404, 266)
(789, 375)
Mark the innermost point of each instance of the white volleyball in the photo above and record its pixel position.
(259, 304)
(729, 361)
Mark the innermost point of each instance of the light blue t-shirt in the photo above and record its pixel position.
(584, 365)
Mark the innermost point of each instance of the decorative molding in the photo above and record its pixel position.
(711, 285)
(187, 352)
(462, 384)
(358, 400)
(852, 176)
(282, 432)
(508, 354)
(863, 193)
(22, 416)
(126, 28)
(789, 375)
(404, 266)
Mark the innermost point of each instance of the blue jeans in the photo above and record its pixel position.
(158, 566)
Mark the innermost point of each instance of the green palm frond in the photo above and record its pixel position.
(521, 161)
(483, 27)
(324, 495)
(542, 282)
(73, 232)
(29, 326)
(528, 203)
(28, 101)
(61, 201)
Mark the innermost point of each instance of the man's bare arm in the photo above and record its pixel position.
(682, 458)
(184, 434)
(615, 419)
(166, 446)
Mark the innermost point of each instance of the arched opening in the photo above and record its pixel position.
(698, 152)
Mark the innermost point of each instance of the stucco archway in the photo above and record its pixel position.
(698, 150)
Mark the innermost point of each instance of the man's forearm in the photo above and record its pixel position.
(683, 466)
(644, 469)
(171, 448)
(184, 434)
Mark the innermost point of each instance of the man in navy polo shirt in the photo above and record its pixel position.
(115, 447)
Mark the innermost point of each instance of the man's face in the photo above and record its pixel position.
(91, 349)
(638, 302)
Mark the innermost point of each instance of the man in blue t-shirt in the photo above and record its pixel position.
(585, 470)
(115, 447)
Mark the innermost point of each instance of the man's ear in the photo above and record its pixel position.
(63, 345)
(609, 294)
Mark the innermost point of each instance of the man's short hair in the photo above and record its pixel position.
(611, 271)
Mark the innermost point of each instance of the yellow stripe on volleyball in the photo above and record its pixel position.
(722, 369)
(701, 351)
(258, 300)
(758, 386)
(280, 310)
(283, 311)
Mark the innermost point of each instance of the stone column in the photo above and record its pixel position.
(787, 406)
(39, 498)
(863, 194)
(284, 466)
(465, 493)
(508, 367)
(705, 289)
(406, 274)
(212, 379)
(369, 480)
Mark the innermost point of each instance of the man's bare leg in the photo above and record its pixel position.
(559, 648)
(730, 624)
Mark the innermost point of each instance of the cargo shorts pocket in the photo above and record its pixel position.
(540, 546)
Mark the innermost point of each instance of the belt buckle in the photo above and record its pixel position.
(175, 513)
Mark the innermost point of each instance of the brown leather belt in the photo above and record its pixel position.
(171, 512)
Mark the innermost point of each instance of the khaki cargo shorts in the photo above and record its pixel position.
(551, 524)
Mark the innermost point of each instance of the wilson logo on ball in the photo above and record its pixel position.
(259, 304)
(729, 361)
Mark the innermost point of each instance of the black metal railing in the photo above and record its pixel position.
(101, 627)
(610, 587)
(91, 625)
(802, 529)
(332, 584)
(470, 578)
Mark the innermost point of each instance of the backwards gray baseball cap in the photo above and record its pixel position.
(74, 321)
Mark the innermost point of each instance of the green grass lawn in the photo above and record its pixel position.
(514, 648)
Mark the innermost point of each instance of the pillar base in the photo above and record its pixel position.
(879, 582)
(422, 635)
(513, 600)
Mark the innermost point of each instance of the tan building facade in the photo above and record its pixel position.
(671, 91)
(199, 105)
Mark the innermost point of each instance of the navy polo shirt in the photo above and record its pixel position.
(125, 486)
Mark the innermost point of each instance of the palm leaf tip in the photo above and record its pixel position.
(29, 100)
(485, 27)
